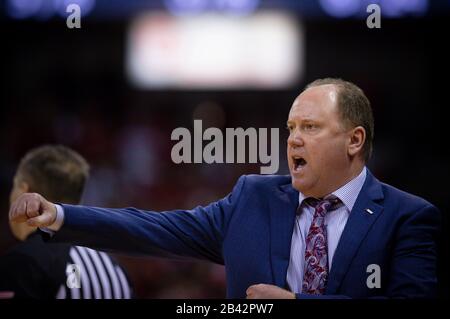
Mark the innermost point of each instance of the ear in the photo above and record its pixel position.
(356, 140)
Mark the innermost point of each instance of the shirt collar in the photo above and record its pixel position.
(347, 193)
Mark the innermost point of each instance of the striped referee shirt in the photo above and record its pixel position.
(335, 222)
(93, 274)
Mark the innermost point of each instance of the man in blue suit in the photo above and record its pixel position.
(329, 230)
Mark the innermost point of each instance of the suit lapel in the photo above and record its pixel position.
(364, 213)
(282, 218)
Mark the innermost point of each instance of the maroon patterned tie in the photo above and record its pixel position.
(316, 251)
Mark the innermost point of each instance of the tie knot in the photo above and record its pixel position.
(322, 206)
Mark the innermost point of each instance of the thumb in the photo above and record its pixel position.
(43, 220)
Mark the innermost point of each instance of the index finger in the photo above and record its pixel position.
(17, 212)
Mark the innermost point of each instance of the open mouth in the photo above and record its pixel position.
(299, 163)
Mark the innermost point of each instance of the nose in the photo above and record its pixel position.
(295, 139)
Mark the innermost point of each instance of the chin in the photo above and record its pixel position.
(298, 185)
(303, 186)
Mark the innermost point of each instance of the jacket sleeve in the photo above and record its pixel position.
(196, 233)
(413, 273)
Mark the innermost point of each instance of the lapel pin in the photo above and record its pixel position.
(369, 211)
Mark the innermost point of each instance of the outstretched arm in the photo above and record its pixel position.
(196, 233)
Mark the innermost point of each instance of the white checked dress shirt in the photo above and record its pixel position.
(335, 222)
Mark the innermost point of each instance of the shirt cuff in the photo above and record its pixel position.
(57, 224)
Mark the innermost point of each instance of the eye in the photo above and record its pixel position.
(289, 127)
(309, 126)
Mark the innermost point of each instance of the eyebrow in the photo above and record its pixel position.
(304, 120)
(310, 120)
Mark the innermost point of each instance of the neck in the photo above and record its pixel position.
(353, 171)
(352, 174)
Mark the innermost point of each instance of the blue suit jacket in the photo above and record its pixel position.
(250, 231)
